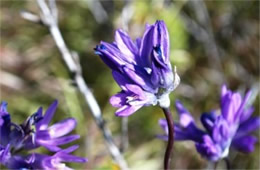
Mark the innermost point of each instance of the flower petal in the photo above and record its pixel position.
(118, 100)
(71, 149)
(161, 38)
(248, 126)
(155, 75)
(208, 119)
(62, 128)
(136, 90)
(191, 132)
(146, 46)
(43, 123)
(138, 42)
(111, 55)
(224, 90)
(231, 104)
(5, 129)
(59, 141)
(65, 157)
(208, 149)
(139, 78)
(3, 108)
(185, 116)
(221, 131)
(127, 110)
(245, 143)
(242, 106)
(5, 153)
(17, 162)
(225, 106)
(164, 125)
(120, 79)
(246, 114)
(126, 46)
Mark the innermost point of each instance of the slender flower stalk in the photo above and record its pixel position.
(169, 148)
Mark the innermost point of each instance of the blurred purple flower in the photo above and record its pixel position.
(232, 128)
(142, 68)
(56, 161)
(41, 161)
(16, 138)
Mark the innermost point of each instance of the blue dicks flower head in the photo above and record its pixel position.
(33, 133)
(55, 135)
(232, 128)
(141, 68)
(41, 161)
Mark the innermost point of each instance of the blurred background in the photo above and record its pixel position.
(212, 42)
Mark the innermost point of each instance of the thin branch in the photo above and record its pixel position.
(127, 14)
(98, 11)
(124, 134)
(31, 17)
(54, 10)
(202, 14)
(49, 20)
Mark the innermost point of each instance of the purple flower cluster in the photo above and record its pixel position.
(232, 128)
(141, 68)
(34, 133)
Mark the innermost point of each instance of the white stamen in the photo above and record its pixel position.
(148, 70)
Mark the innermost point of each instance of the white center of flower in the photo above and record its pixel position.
(164, 100)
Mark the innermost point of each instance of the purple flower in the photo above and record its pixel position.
(33, 133)
(53, 136)
(232, 128)
(56, 161)
(5, 124)
(41, 161)
(141, 68)
(4, 153)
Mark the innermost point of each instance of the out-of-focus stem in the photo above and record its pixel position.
(124, 134)
(167, 156)
(227, 164)
(215, 165)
